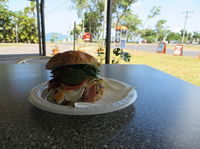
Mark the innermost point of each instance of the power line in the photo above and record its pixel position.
(56, 8)
(186, 17)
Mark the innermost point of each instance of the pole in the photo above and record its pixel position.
(38, 25)
(74, 35)
(83, 25)
(186, 17)
(105, 12)
(16, 32)
(108, 31)
(43, 28)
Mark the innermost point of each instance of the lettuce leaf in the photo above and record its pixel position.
(75, 74)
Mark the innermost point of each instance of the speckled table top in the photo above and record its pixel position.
(166, 113)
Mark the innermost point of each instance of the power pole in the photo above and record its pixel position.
(16, 32)
(83, 25)
(74, 36)
(186, 17)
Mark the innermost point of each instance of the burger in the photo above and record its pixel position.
(75, 78)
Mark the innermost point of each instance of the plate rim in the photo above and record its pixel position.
(36, 100)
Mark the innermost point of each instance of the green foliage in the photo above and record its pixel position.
(3, 1)
(149, 35)
(160, 29)
(54, 37)
(6, 25)
(75, 74)
(196, 36)
(155, 11)
(120, 8)
(19, 25)
(77, 31)
(93, 23)
(132, 22)
(93, 13)
(120, 55)
(172, 36)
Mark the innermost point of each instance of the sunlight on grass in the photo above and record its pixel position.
(186, 68)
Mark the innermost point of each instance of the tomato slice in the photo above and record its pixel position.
(72, 87)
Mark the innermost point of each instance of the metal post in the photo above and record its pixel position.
(38, 25)
(108, 31)
(74, 35)
(43, 28)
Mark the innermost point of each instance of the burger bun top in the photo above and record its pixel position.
(70, 58)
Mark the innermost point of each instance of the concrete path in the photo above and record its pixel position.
(13, 54)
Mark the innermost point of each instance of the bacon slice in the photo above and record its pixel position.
(90, 94)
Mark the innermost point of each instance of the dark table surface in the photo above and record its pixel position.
(166, 113)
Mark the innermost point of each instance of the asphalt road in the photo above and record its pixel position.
(151, 48)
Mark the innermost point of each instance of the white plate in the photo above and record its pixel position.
(117, 95)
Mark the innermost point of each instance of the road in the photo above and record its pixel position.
(14, 53)
(153, 48)
(149, 48)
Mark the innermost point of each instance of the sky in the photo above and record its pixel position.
(60, 14)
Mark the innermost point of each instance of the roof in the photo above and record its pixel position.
(121, 28)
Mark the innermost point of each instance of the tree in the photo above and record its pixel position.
(54, 36)
(3, 1)
(7, 30)
(21, 24)
(132, 22)
(120, 8)
(149, 35)
(196, 37)
(160, 30)
(27, 29)
(77, 31)
(155, 11)
(172, 36)
(30, 11)
(94, 12)
(189, 38)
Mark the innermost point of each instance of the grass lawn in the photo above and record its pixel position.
(186, 68)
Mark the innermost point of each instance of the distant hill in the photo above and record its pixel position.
(60, 36)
